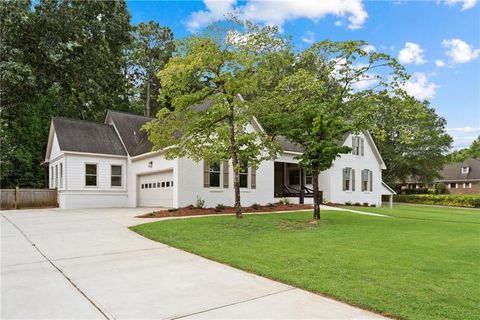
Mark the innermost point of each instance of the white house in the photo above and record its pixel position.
(111, 165)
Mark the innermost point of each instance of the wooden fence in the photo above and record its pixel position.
(28, 198)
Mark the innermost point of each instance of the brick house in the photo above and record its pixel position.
(461, 177)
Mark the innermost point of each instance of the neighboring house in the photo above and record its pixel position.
(111, 165)
(462, 177)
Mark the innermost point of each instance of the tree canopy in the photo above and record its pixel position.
(206, 81)
(473, 151)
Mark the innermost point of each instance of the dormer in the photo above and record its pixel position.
(465, 170)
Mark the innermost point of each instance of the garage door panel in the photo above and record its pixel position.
(156, 190)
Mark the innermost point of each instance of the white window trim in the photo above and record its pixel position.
(111, 175)
(467, 170)
(85, 175)
(349, 190)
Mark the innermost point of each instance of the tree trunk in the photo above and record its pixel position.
(147, 103)
(316, 193)
(302, 188)
(234, 154)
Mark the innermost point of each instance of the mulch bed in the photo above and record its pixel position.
(192, 211)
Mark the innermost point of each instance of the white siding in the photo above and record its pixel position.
(76, 195)
(369, 161)
(190, 182)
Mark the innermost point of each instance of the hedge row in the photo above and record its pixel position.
(468, 201)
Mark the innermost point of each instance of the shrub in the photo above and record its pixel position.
(284, 201)
(358, 204)
(270, 205)
(366, 204)
(441, 188)
(199, 203)
(416, 191)
(373, 205)
(172, 209)
(468, 201)
(255, 206)
(220, 206)
(348, 203)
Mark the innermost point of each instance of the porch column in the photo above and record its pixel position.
(391, 201)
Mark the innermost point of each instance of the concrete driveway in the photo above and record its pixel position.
(85, 264)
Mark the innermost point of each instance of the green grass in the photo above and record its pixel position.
(421, 263)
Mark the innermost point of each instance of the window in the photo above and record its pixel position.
(90, 175)
(347, 176)
(469, 185)
(168, 184)
(243, 174)
(116, 176)
(142, 186)
(56, 176)
(465, 170)
(294, 177)
(308, 178)
(171, 183)
(452, 185)
(214, 172)
(364, 180)
(358, 146)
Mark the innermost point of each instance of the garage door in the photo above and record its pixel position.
(156, 190)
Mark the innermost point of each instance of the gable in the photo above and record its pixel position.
(83, 136)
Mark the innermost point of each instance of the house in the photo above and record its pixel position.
(462, 177)
(111, 164)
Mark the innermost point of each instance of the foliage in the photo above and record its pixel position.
(220, 206)
(284, 201)
(152, 47)
(64, 58)
(199, 203)
(320, 99)
(415, 191)
(454, 200)
(441, 188)
(410, 136)
(430, 255)
(255, 206)
(206, 80)
(461, 155)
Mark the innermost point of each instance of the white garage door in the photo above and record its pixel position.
(156, 190)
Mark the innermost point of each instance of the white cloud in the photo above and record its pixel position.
(338, 23)
(460, 51)
(277, 13)
(440, 63)
(466, 4)
(466, 129)
(309, 37)
(369, 48)
(411, 53)
(462, 142)
(419, 86)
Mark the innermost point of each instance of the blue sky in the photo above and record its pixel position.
(437, 41)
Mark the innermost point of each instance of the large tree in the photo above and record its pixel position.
(322, 101)
(216, 69)
(152, 48)
(473, 151)
(64, 58)
(410, 136)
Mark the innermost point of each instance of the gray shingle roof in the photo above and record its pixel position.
(87, 136)
(128, 126)
(453, 171)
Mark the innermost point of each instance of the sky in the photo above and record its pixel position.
(438, 42)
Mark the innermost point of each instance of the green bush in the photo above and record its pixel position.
(441, 188)
(255, 206)
(415, 191)
(457, 200)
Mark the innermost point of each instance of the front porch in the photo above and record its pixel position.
(291, 181)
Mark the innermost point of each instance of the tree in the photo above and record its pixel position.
(461, 155)
(410, 136)
(322, 102)
(65, 58)
(215, 69)
(152, 48)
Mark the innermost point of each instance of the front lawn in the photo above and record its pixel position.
(416, 264)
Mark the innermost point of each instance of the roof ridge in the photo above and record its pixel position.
(80, 120)
(128, 113)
